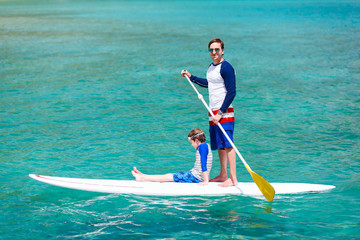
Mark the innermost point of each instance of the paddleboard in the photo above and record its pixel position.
(175, 189)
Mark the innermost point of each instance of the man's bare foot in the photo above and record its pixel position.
(218, 179)
(227, 183)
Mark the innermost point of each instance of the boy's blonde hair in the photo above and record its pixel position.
(197, 133)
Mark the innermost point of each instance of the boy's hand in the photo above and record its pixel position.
(206, 179)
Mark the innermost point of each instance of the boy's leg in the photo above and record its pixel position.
(160, 178)
(152, 178)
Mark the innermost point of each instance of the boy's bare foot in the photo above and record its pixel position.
(137, 176)
(137, 171)
(227, 183)
(218, 179)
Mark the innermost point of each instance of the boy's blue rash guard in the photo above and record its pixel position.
(203, 150)
(227, 72)
(203, 161)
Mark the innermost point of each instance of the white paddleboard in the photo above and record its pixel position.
(175, 189)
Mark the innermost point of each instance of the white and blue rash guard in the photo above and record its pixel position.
(221, 82)
(203, 161)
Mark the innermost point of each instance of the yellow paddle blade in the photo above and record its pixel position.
(267, 190)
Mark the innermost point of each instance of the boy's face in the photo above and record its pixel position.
(195, 143)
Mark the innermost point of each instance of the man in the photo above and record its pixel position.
(221, 82)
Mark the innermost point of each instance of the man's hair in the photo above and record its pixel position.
(197, 133)
(217, 40)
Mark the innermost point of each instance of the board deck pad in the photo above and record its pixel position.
(175, 189)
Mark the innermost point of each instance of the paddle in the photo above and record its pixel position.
(265, 187)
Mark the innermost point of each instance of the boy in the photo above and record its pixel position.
(201, 170)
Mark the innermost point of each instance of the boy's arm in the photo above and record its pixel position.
(206, 179)
(204, 151)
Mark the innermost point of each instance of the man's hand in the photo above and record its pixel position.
(217, 118)
(183, 72)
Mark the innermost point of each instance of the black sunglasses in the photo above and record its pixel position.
(216, 49)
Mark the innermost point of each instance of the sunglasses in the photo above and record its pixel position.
(216, 49)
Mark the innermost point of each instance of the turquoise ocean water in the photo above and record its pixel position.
(92, 88)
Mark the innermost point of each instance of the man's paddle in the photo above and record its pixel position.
(265, 187)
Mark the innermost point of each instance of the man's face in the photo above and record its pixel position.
(216, 51)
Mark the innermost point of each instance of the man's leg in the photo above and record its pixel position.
(231, 156)
(223, 156)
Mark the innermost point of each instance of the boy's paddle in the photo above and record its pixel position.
(265, 187)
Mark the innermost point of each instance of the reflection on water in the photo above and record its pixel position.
(141, 216)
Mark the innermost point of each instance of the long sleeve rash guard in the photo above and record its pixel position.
(221, 81)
